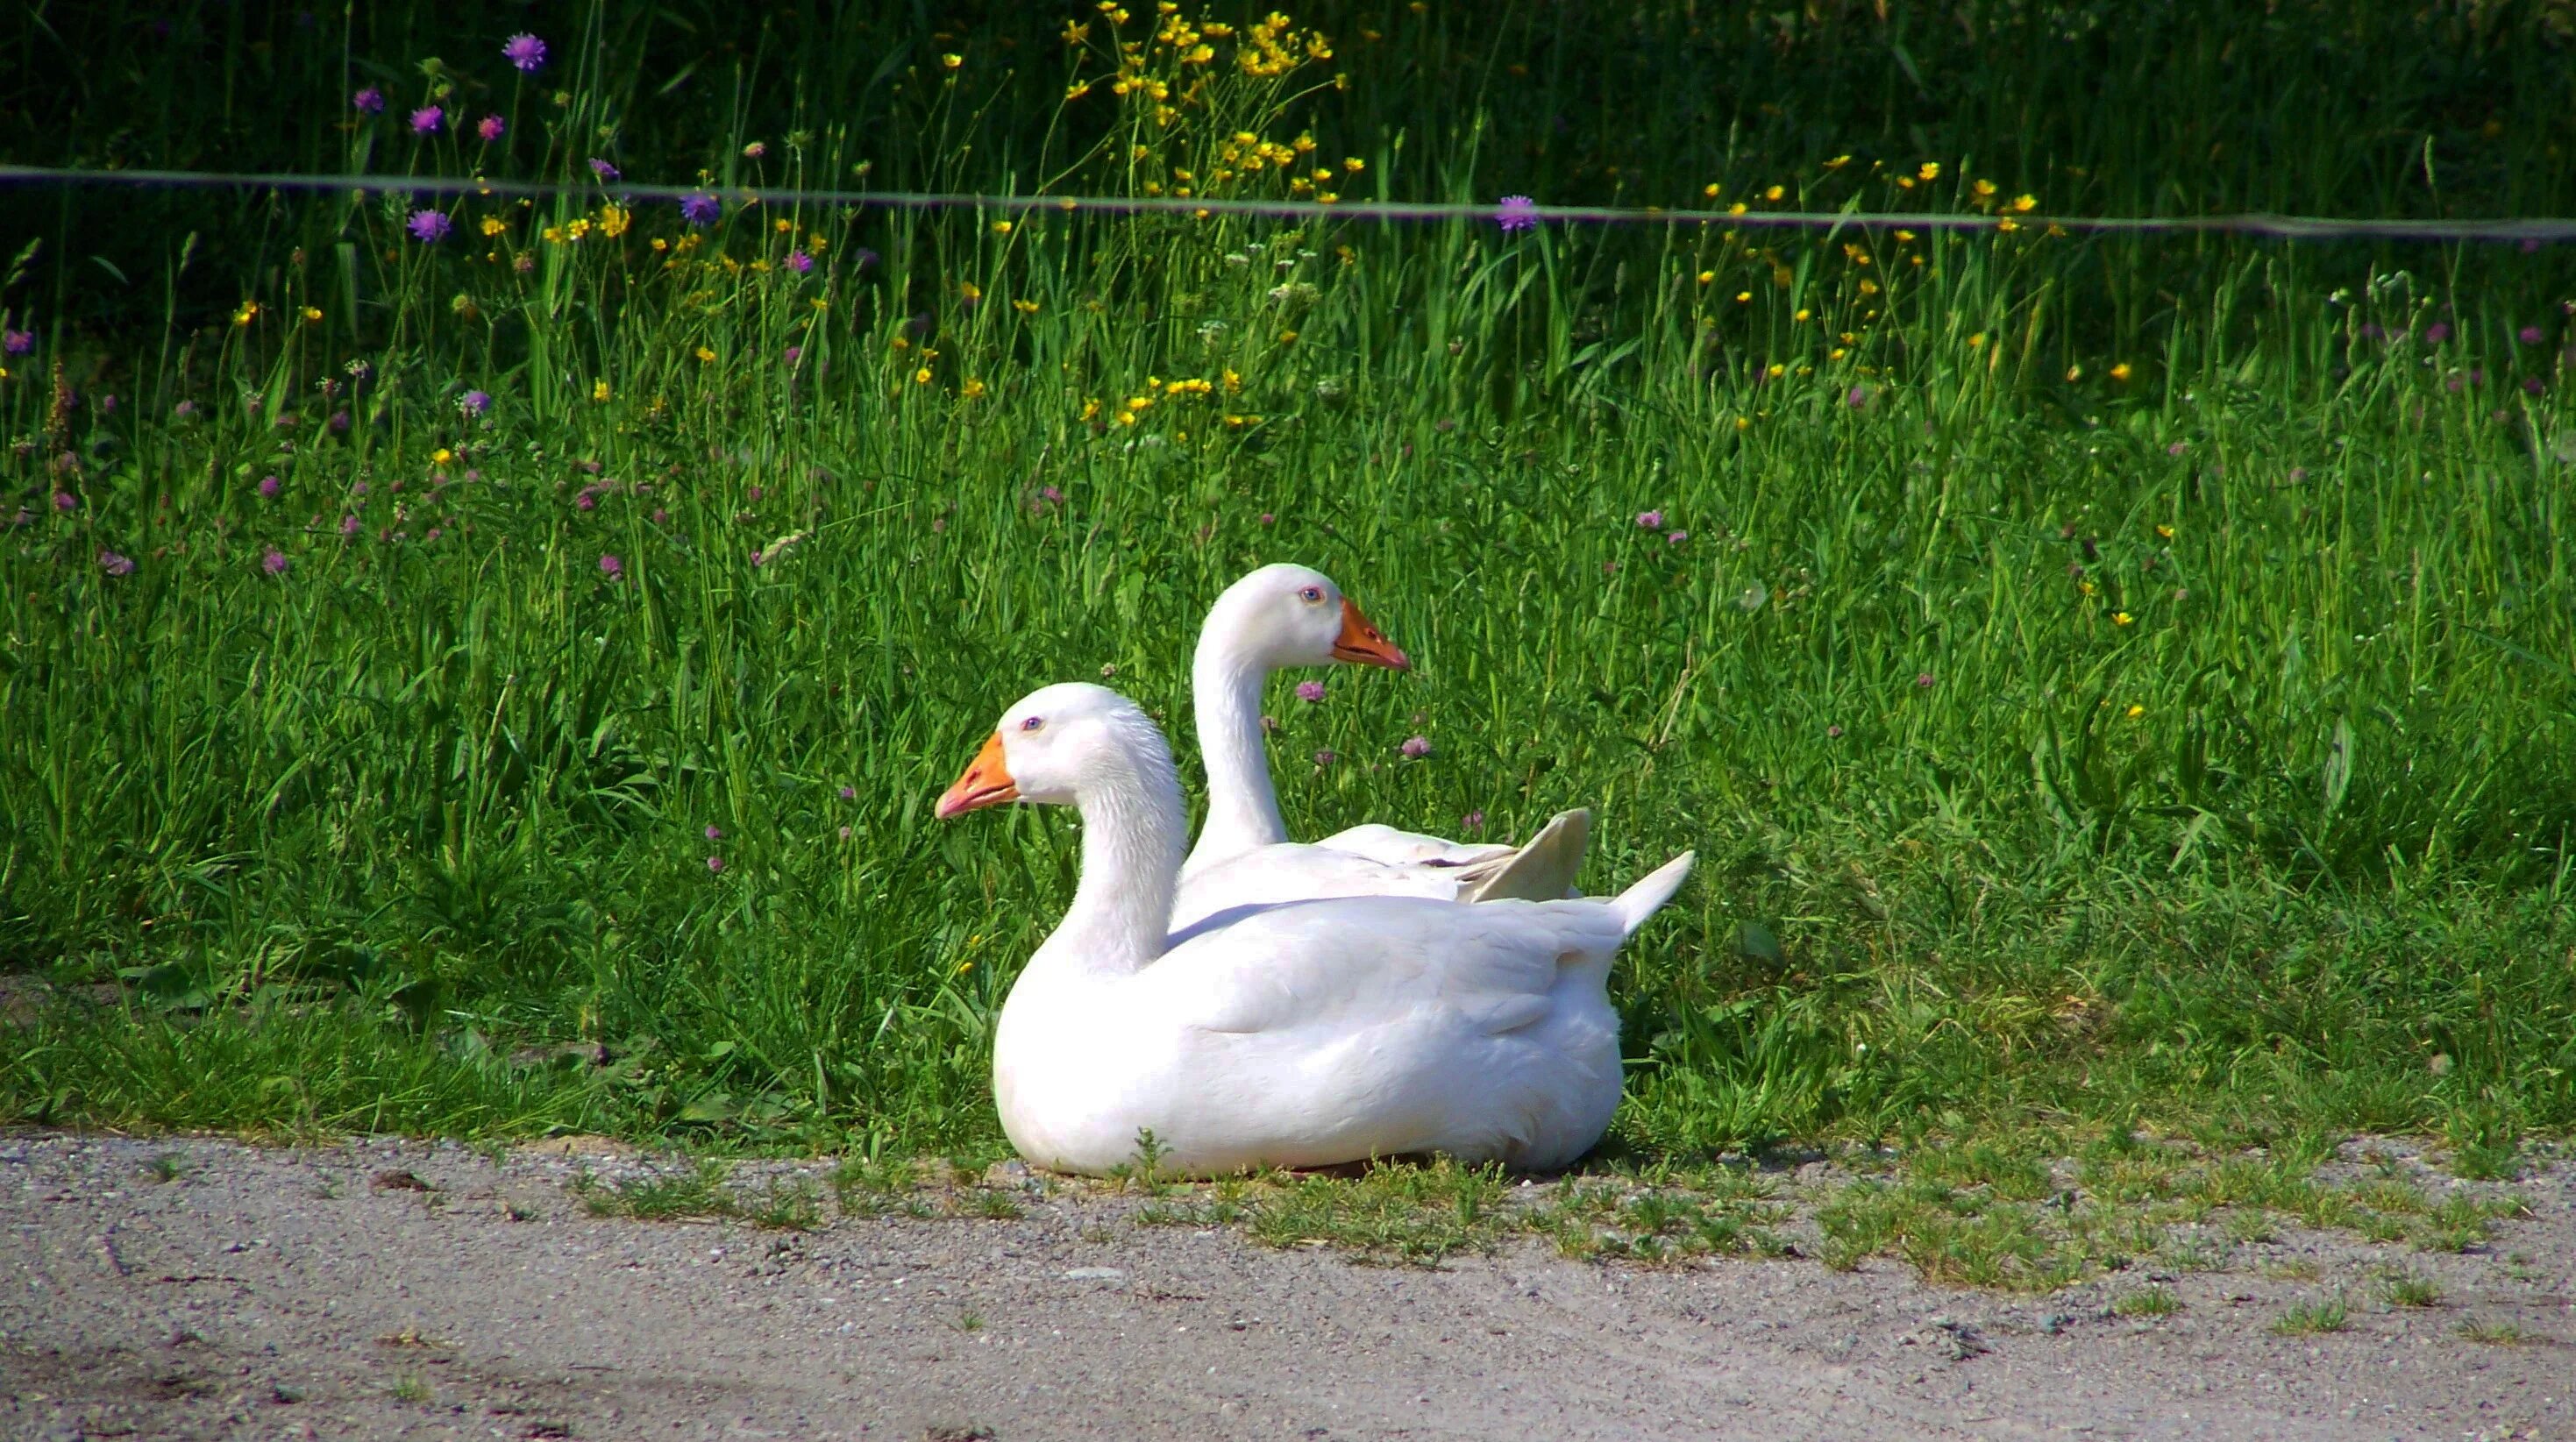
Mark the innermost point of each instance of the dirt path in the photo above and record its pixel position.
(269, 1293)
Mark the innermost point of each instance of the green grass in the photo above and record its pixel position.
(2408, 1289)
(2111, 685)
(2149, 1302)
(2310, 1319)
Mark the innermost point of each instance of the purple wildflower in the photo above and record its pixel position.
(701, 209)
(1650, 520)
(17, 342)
(602, 168)
(1416, 747)
(474, 403)
(114, 564)
(715, 833)
(1675, 538)
(424, 121)
(2533, 385)
(1472, 821)
(612, 568)
(348, 528)
(2177, 448)
(2438, 332)
(184, 409)
(1326, 758)
(849, 793)
(339, 422)
(715, 865)
(2528, 335)
(491, 128)
(1518, 212)
(107, 405)
(1268, 519)
(429, 227)
(1857, 398)
(274, 563)
(1310, 692)
(845, 833)
(795, 353)
(369, 101)
(863, 258)
(65, 501)
(1051, 495)
(524, 51)
(269, 486)
(1924, 680)
(1833, 731)
(799, 262)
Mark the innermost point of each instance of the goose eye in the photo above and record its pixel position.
(1032, 723)
(1314, 595)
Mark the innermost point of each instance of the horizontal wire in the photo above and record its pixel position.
(2282, 227)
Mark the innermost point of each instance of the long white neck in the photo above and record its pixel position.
(1243, 812)
(1133, 826)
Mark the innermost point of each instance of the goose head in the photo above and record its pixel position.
(1054, 745)
(1284, 615)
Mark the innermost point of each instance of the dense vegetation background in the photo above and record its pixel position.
(481, 666)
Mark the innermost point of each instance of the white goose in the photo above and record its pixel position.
(1281, 616)
(1302, 1034)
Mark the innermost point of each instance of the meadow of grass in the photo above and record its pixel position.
(494, 683)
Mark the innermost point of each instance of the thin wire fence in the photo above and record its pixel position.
(1511, 213)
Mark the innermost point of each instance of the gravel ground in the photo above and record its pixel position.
(315, 1292)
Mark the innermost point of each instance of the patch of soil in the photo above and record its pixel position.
(251, 1296)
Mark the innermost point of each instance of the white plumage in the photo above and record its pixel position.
(1302, 1033)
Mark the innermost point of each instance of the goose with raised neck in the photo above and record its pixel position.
(1306, 1033)
(1283, 616)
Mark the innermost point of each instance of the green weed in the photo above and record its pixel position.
(2305, 1319)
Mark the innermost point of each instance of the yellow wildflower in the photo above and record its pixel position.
(952, 60)
(1744, 297)
(1931, 170)
(1774, 193)
(249, 312)
(441, 456)
(2120, 372)
(972, 390)
(2121, 618)
(1001, 227)
(1977, 341)
(969, 291)
(921, 377)
(2137, 711)
(2025, 204)
(2165, 531)
(1075, 34)
(613, 220)
(1077, 90)
(1090, 409)
(599, 391)
(492, 225)
(1025, 307)
(1707, 277)
(312, 315)
(705, 354)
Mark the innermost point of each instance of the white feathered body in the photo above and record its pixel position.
(1321, 1032)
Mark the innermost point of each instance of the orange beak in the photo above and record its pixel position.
(987, 782)
(1363, 644)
